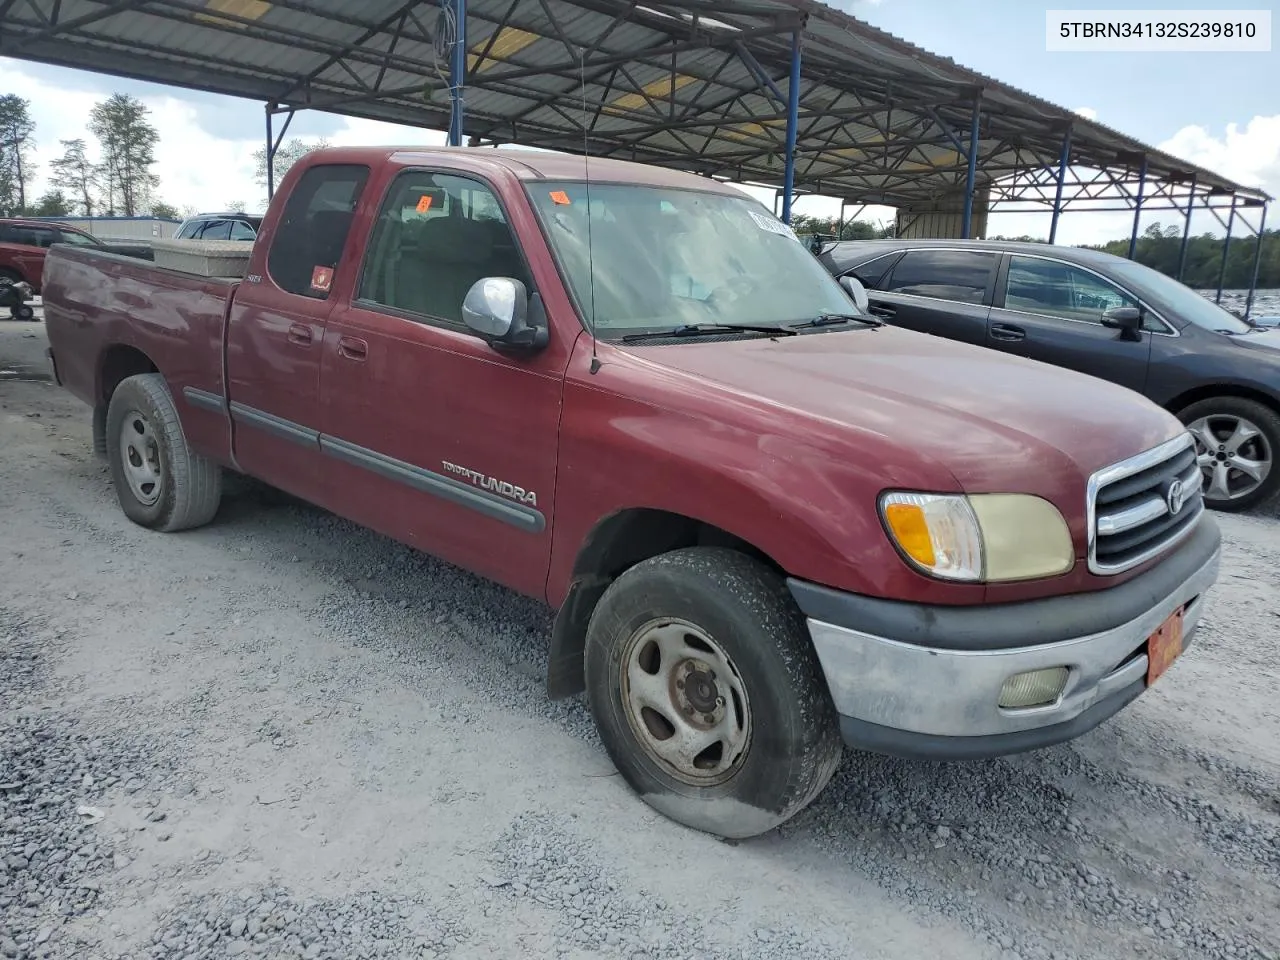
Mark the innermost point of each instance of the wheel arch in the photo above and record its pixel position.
(615, 544)
(1211, 390)
(117, 363)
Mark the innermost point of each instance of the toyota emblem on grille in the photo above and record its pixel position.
(1175, 497)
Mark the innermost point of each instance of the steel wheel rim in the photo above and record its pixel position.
(685, 702)
(1234, 455)
(140, 458)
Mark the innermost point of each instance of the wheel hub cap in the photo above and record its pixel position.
(1234, 455)
(685, 702)
(140, 459)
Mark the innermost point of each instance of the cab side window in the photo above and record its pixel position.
(872, 272)
(1058, 289)
(217, 230)
(241, 231)
(959, 275)
(436, 235)
(312, 231)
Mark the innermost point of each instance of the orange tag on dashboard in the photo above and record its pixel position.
(560, 197)
(322, 279)
(424, 204)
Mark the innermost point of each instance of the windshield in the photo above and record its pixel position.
(661, 259)
(1182, 302)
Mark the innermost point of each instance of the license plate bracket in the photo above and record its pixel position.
(1164, 646)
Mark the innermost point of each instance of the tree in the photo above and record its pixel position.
(164, 211)
(128, 151)
(76, 173)
(290, 152)
(53, 204)
(235, 206)
(16, 168)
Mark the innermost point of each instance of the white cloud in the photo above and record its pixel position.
(1248, 155)
(1087, 112)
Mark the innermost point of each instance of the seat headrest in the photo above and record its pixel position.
(450, 240)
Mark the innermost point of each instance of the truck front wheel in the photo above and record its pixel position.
(160, 482)
(708, 694)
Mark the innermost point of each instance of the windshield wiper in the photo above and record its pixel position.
(703, 329)
(832, 319)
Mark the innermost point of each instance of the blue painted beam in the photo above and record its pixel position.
(1186, 229)
(1257, 260)
(1137, 207)
(971, 173)
(458, 72)
(1226, 248)
(793, 123)
(1063, 160)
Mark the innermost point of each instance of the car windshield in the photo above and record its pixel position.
(1182, 302)
(657, 259)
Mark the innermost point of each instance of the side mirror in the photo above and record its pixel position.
(1128, 320)
(856, 291)
(498, 309)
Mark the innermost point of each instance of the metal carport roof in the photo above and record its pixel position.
(695, 84)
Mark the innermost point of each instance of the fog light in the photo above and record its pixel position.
(1036, 688)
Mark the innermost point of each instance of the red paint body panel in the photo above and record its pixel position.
(784, 443)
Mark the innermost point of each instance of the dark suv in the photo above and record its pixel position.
(219, 226)
(1101, 315)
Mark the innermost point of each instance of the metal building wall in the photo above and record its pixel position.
(944, 221)
(123, 228)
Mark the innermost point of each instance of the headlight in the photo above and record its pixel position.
(980, 538)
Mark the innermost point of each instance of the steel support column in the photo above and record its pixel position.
(1063, 160)
(971, 172)
(273, 145)
(1257, 261)
(457, 71)
(1226, 249)
(1186, 229)
(793, 123)
(1137, 206)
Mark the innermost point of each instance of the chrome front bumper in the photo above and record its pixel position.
(935, 701)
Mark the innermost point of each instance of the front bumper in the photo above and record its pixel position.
(925, 682)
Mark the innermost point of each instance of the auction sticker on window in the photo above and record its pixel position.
(773, 226)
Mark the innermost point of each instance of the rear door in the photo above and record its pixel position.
(434, 437)
(276, 331)
(1050, 310)
(943, 291)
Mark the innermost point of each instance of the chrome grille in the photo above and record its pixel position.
(1130, 520)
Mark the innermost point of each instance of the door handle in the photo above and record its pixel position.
(881, 309)
(300, 333)
(1007, 332)
(352, 348)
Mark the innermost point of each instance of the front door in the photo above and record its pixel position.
(942, 292)
(432, 436)
(275, 333)
(1050, 310)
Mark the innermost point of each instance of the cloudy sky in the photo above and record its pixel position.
(1221, 111)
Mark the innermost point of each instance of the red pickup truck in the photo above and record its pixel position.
(768, 522)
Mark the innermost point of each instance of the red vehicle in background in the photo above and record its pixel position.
(24, 243)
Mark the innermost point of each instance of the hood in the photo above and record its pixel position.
(1267, 339)
(995, 421)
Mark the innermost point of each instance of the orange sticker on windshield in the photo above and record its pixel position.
(424, 203)
(322, 279)
(560, 197)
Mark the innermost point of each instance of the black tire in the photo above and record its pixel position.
(24, 311)
(1268, 423)
(794, 744)
(190, 486)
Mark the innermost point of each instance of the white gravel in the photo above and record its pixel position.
(285, 736)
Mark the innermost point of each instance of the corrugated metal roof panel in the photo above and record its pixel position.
(541, 71)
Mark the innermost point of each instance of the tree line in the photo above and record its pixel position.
(120, 182)
(1158, 247)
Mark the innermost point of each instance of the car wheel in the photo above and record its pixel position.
(1237, 442)
(23, 311)
(160, 482)
(708, 694)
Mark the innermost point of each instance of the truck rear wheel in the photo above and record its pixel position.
(708, 693)
(160, 482)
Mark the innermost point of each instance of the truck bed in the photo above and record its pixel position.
(95, 301)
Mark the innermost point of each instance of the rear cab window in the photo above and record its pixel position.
(312, 231)
(963, 276)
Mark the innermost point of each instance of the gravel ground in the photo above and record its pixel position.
(285, 736)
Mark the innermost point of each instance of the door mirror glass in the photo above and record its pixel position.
(498, 309)
(856, 291)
